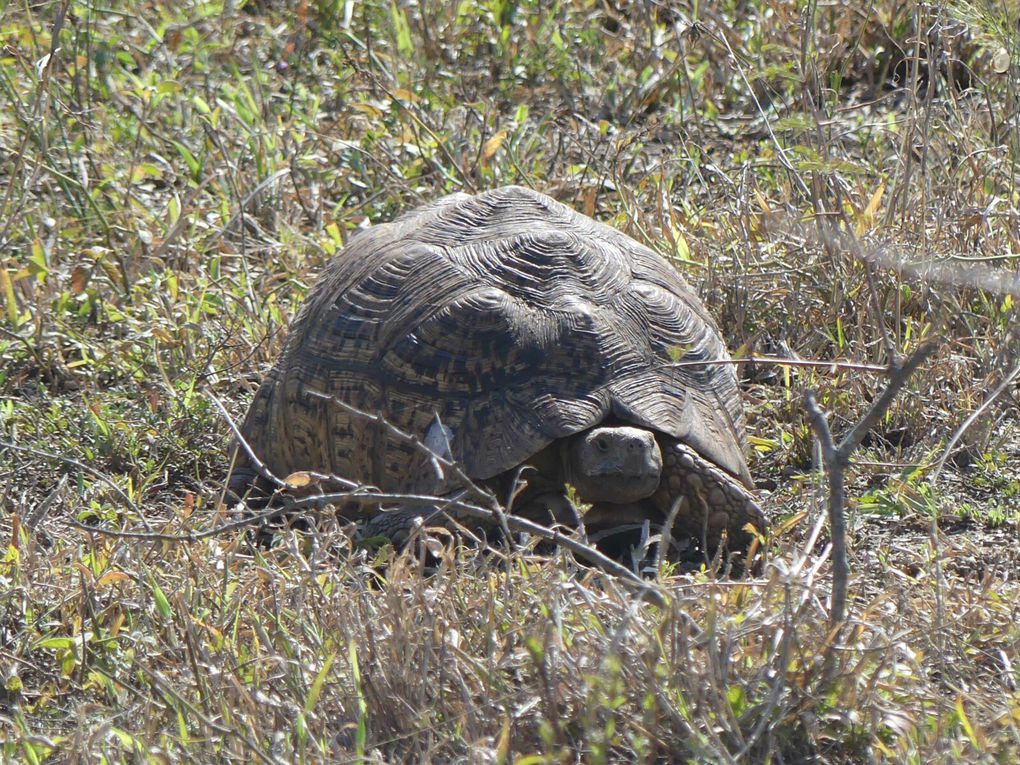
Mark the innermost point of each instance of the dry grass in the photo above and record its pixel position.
(841, 181)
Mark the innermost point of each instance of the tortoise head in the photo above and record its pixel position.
(616, 464)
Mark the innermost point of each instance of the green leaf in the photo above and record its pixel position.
(56, 642)
(738, 701)
(316, 689)
(182, 727)
(361, 732)
(200, 105)
(162, 604)
(402, 30)
(535, 648)
(194, 166)
(37, 264)
(126, 739)
(961, 715)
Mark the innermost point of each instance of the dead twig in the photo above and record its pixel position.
(784, 361)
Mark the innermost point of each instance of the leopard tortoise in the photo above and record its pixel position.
(536, 336)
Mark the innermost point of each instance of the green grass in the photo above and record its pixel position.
(174, 175)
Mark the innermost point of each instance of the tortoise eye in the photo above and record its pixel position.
(602, 445)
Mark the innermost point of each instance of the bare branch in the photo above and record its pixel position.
(443, 505)
(837, 458)
(466, 481)
(257, 463)
(837, 517)
(783, 361)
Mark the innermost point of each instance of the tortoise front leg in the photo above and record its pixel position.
(549, 508)
(715, 500)
(396, 524)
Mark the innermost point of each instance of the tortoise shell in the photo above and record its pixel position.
(515, 319)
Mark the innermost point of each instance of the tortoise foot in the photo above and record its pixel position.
(712, 501)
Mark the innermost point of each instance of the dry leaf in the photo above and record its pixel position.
(876, 200)
(490, 147)
(405, 95)
(297, 480)
(371, 110)
(866, 218)
(79, 280)
(112, 577)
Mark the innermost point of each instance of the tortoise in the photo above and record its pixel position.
(537, 337)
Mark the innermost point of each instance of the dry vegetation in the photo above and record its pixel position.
(840, 180)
